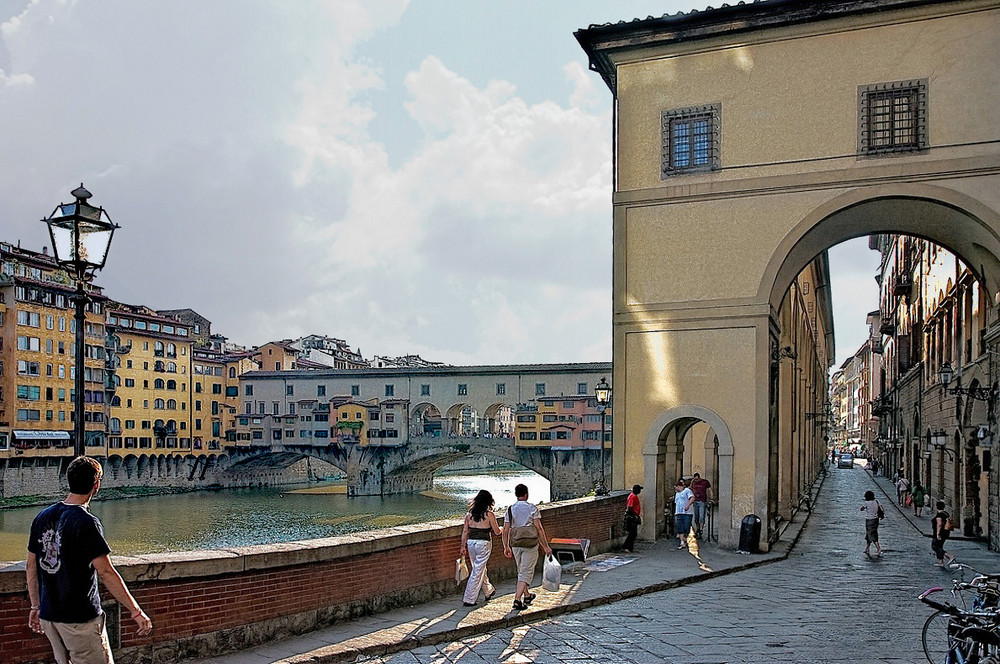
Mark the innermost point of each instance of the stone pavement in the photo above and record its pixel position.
(817, 600)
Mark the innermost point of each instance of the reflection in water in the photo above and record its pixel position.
(240, 517)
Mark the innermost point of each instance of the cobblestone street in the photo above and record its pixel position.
(826, 603)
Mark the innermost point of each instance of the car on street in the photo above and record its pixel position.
(845, 461)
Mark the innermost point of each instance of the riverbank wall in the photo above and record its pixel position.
(34, 481)
(204, 603)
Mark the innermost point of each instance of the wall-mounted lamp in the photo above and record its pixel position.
(946, 373)
(939, 441)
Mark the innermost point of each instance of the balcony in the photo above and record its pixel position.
(887, 328)
(903, 286)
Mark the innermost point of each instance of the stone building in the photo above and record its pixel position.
(748, 139)
(938, 412)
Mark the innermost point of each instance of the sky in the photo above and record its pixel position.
(428, 177)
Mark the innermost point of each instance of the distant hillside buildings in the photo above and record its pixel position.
(160, 382)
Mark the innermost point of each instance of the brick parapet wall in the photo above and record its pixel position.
(208, 602)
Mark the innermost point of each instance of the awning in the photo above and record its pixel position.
(24, 434)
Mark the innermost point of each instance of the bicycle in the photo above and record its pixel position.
(969, 637)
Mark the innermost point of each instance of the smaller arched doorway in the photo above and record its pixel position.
(681, 442)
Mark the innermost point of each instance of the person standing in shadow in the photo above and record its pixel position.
(633, 512)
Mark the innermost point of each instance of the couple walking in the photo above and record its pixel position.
(522, 534)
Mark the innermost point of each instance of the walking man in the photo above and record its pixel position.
(522, 534)
(702, 490)
(67, 553)
(683, 511)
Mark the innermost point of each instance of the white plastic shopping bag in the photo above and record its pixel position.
(461, 570)
(551, 573)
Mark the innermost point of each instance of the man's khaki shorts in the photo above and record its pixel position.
(79, 643)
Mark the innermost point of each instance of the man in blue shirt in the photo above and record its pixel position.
(67, 553)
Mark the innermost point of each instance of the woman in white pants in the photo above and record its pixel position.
(477, 543)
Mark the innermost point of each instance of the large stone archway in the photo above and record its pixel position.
(703, 257)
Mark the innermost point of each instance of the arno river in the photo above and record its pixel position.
(217, 519)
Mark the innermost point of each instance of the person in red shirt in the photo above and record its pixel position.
(633, 508)
(702, 490)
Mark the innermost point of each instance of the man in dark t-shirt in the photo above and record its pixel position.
(702, 490)
(67, 553)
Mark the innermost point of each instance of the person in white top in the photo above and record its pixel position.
(519, 516)
(869, 510)
(683, 512)
(902, 489)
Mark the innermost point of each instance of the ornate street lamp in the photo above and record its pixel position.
(602, 392)
(946, 373)
(81, 236)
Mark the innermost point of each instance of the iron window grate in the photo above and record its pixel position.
(689, 140)
(892, 117)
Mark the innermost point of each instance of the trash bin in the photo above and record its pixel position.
(750, 535)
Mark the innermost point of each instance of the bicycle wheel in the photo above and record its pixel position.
(936, 637)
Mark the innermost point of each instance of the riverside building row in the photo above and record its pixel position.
(932, 377)
(160, 383)
(920, 395)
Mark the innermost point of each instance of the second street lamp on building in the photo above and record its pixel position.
(81, 236)
(602, 392)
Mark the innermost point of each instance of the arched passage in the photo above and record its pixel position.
(944, 216)
(666, 458)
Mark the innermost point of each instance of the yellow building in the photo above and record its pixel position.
(276, 356)
(349, 420)
(37, 359)
(152, 409)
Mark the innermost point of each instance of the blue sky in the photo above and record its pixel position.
(413, 177)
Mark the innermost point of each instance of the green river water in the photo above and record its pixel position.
(239, 517)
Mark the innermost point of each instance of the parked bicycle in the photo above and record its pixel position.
(969, 634)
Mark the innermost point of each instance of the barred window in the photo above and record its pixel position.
(892, 117)
(689, 140)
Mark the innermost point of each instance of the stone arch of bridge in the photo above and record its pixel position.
(265, 459)
(433, 459)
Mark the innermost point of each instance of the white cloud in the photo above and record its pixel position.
(232, 144)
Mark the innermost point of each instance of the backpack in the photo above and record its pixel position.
(524, 537)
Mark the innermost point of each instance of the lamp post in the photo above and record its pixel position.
(602, 391)
(81, 236)
(946, 373)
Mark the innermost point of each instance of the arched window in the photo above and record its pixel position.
(158, 384)
(171, 350)
(158, 404)
(171, 384)
(158, 366)
(232, 372)
(116, 401)
(171, 367)
(116, 424)
(171, 404)
(158, 349)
